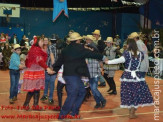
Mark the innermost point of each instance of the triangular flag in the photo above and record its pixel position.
(59, 6)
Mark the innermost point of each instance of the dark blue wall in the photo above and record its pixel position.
(36, 22)
(129, 23)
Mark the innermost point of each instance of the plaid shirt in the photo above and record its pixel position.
(93, 67)
(52, 49)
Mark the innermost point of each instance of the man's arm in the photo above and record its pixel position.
(59, 63)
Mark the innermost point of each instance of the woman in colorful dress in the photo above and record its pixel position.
(34, 76)
(134, 90)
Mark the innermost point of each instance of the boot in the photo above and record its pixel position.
(58, 108)
(110, 85)
(36, 97)
(60, 99)
(108, 80)
(113, 86)
(132, 113)
(109, 90)
(27, 100)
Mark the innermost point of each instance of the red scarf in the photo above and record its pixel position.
(35, 55)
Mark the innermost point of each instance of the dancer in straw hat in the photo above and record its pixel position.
(73, 58)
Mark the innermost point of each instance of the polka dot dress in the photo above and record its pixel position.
(134, 91)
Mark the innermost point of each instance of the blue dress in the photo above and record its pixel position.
(134, 90)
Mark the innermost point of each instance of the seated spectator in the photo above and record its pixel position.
(27, 43)
(6, 52)
(22, 43)
(14, 39)
(3, 38)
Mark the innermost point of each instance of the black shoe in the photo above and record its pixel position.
(103, 103)
(102, 84)
(98, 105)
(51, 101)
(44, 98)
(109, 90)
(113, 93)
(11, 101)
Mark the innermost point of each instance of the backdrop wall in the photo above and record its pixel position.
(36, 22)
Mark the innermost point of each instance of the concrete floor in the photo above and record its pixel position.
(111, 113)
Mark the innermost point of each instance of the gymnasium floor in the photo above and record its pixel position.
(111, 113)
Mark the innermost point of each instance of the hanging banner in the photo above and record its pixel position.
(59, 6)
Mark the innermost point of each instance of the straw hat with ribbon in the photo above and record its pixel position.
(74, 36)
(90, 37)
(109, 40)
(133, 35)
(16, 46)
(97, 32)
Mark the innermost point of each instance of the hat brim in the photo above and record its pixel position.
(132, 37)
(96, 33)
(17, 48)
(69, 39)
(108, 41)
(88, 38)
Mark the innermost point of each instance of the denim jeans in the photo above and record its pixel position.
(93, 82)
(75, 95)
(14, 80)
(49, 81)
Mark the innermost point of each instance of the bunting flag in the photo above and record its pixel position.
(59, 6)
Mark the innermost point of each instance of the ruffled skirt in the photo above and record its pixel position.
(34, 79)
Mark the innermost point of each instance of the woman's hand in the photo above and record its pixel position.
(50, 71)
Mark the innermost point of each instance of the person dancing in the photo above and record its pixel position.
(34, 76)
(73, 58)
(134, 90)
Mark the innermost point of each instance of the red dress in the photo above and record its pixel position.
(34, 76)
(3, 40)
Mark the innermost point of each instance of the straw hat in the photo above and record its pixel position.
(133, 35)
(117, 35)
(16, 46)
(74, 36)
(90, 37)
(96, 32)
(109, 40)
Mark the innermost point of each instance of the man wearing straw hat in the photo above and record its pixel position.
(141, 47)
(101, 46)
(100, 43)
(95, 73)
(73, 58)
